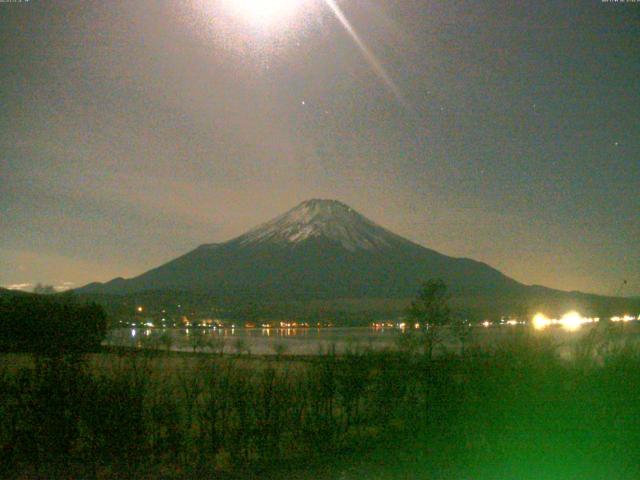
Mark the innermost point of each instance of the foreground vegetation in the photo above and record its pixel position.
(516, 411)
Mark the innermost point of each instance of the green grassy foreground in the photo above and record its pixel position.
(516, 411)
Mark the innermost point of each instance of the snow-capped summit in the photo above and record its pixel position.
(330, 219)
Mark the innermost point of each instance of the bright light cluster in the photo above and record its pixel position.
(573, 321)
(570, 321)
(540, 321)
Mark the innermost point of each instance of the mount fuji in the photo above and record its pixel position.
(319, 249)
(323, 250)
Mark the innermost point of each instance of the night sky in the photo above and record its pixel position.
(508, 132)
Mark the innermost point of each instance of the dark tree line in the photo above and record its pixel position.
(50, 326)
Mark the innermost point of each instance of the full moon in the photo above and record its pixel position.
(264, 12)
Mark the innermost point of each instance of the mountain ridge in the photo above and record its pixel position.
(325, 250)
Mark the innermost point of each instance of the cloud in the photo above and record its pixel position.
(20, 286)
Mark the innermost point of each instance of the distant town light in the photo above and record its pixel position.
(572, 321)
(139, 309)
(540, 321)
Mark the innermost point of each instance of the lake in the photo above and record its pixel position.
(314, 341)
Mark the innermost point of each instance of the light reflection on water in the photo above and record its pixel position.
(260, 341)
(312, 341)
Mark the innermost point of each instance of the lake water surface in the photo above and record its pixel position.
(314, 341)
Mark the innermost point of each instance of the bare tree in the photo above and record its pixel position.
(430, 312)
(280, 348)
(461, 330)
(166, 340)
(197, 341)
(215, 344)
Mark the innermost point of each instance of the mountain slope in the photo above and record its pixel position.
(319, 249)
